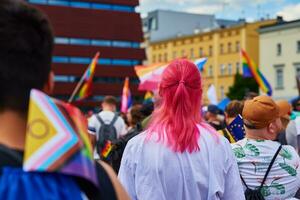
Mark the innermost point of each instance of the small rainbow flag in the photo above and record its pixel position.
(85, 89)
(148, 97)
(126, 97)
(107, 149)
(251, 70)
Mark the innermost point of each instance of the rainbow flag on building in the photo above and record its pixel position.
(87, 80)
(251, 70)
(57, 139)
(126, 97)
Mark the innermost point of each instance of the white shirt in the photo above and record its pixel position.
(107, 116)
(152, 171)
(254, 157)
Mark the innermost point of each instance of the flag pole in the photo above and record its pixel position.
(81, 81)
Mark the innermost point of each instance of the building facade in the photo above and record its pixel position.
(222, 48)
(280, 57)
(83, 27)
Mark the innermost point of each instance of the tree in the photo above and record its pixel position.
(241, 87)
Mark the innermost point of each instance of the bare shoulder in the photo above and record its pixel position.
(120, 191)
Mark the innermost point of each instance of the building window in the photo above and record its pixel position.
(152, 24)
(182, 53)
(222, 92)
(297, 68)
(210, 51)
(279, 77)
(278, 49)
(174, 54)
(298, 46)
(237, 68)
(237, 46)
(229, 69)
(166, 57)
(159, 57)
(222, 69)
(192, 53)
(154, 59)
(200, 52)
(210, 71)
(229, 47)
(221, 49)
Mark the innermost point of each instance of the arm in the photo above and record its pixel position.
(120, 192)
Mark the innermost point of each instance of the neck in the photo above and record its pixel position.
(257, 134)
(12, 130)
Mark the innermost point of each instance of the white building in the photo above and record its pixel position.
(279, 47)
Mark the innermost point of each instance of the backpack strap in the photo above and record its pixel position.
(100, 119)
(270, 166)
(113, 121)
(268, 170)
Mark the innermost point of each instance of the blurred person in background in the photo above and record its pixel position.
(286, 108)
(179, 156)
(213, 117)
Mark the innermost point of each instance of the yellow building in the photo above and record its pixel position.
(220, 46)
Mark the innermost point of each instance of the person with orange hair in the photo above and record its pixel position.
(179, 156)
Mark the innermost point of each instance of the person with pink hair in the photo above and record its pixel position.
(179, 156)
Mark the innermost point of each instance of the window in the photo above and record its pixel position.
(237, 68)
(222, 69)
(221, 49)
(278, 49)
(222, 92)
(210, 51)
(192, 53)
(154, 58)
(298, 46)
(80, 41)
(152, 24)
(174, 54)
(229, 69)
(166, 57)
(237, 46)
(279, 77)
(159, 57)
(200, 52)
(297, 68)
(210, 71)
(182, 53)
(229, 47)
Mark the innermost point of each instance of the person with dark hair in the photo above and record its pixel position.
(109, 120)
(212, 116)
(267, 168)
(26, 45)
(232, 110)
(179, 156)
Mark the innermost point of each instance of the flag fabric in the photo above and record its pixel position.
(126, 97)
(57, 139)
(148, 97)
(200, 63)
(236, 128)
(85, 90)
(150, 76)
(251, 70)
(212, 95)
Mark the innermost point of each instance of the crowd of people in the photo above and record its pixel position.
(173, 148)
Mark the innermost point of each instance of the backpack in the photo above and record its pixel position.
(107, 134)
(256, 193)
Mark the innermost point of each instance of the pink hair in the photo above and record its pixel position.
(178, 113)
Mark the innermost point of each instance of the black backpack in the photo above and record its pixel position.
(107, 133)
(256, 194)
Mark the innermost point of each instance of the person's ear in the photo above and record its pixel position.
(49, 85)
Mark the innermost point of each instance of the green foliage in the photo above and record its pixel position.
(286, 154)
(253, 149)
(288, 169)
(239, 152)
(241, 86)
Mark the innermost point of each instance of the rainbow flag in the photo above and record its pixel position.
(150, 76)
(126, 97)
(148, 97)
(57, 139)
(85, 89)
(251, 70)
(107, 149)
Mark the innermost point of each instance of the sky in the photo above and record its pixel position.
(250, 10)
